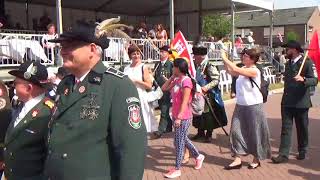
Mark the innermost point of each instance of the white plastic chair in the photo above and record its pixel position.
(225, 81)
(269, 76)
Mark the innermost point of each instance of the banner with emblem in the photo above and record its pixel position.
(314, 52)
(180, 45)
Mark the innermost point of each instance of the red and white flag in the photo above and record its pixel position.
(180, 45)
(314, 52)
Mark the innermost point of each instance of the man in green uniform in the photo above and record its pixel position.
(96, 131)
(5, 117)
(25, 142)
(295, 102)
(162, 72)
(207, 77)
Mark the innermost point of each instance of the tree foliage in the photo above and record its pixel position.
(217, 25)
(292, 36)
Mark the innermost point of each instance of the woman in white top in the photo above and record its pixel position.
(140, 76)
(249, 133)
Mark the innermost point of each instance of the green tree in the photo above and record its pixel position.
(217, 25)
(292, 36)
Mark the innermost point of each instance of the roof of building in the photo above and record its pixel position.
(281, 17)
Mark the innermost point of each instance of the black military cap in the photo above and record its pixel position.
(62, 71)
(294, 45)
(199, 51)
(165, 48)
(83, 32)
(33, 72)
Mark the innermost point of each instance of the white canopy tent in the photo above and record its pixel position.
(154, 8)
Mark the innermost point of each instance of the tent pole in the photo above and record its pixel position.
(59, 16)
(271, 33)
(200, 17)
(27, 14)
(171, 6)
(232, 30)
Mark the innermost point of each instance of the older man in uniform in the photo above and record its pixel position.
(25, 142)
(5, 117)
(96, 131)
(295, 102)
(163, 71)
(207, 77)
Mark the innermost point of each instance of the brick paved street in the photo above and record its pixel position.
(161, 152)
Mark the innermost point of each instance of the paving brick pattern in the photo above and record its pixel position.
(161, 153)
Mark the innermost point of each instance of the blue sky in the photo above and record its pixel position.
(284, 4)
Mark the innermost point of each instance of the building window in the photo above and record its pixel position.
(276, 32)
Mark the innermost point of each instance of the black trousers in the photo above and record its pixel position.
(300, 117)
(165, 123)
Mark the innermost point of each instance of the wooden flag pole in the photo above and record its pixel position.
(303, 62)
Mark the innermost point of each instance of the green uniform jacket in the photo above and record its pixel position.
(97, 131)
(297, 94)
(25, 145)
(160, 71)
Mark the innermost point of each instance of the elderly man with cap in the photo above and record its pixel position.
(207, 76)
(295, 102)
(96, 130)
(25, 142)
(162, 72)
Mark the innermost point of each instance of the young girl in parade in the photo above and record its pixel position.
(182, 88)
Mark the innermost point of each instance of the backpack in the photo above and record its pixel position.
(264, 86)
(197, 103)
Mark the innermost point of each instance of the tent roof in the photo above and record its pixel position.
(281, 17)
(154, 7)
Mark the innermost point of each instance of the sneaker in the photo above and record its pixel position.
(199, 161)
(173, 173)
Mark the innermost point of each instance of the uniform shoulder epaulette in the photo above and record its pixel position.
(49, 103)
(115, 72)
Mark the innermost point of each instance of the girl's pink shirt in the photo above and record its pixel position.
(177, 95)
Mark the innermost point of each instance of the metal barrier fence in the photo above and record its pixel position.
(16, 48)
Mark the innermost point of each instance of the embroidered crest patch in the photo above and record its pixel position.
(134, 116)
(35, 113)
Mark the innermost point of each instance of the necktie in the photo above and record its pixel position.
(76, 84)
(16, 112)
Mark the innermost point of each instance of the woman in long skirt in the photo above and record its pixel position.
(249, 133)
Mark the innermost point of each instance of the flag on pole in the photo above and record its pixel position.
(314, 52)
(180, 45)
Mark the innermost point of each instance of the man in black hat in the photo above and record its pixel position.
(207, 76)
(295, 102)
(96, 131)
(25, 141)
(162, 72)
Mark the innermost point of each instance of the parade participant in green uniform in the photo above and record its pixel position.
(295, 102)
(162, 72)
(207, 77)
(5, 117)
(96, 131)
(25, 142)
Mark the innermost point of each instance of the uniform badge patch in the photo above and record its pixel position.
(66, 91)
(2, 103)
(91, 110)
(82, 89)
(132, 100)
(49, 103)
(35, 113)
(134, 116)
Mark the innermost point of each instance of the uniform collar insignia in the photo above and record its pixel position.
(95, 78)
